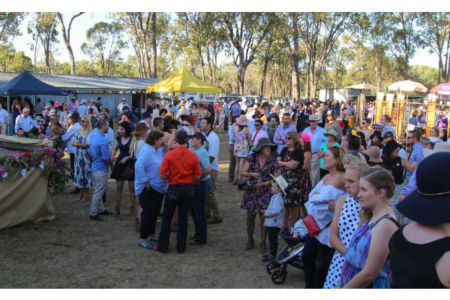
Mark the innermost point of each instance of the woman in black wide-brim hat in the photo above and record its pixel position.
(420, 250)
(258, 167)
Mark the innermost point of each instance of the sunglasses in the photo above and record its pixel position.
(288, 138)
(82, 121)
(185, 124)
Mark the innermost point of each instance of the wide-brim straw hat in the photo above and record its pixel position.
(314, 118)
(281, 182)
(264, 142)
(331, 132)
(242, 120)
(430, 203)
(139, 128)
(439, 147)
(374, 154)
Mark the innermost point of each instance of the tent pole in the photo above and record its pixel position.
(8, 109)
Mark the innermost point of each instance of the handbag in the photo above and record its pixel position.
(311, 225)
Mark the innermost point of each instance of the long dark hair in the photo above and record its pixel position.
(127, 127)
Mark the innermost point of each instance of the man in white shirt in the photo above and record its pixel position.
(3, 120)
(25, 121)
(94, 107)
(83, 109)
(259, 133)
(122, 103)
(64, 116)
(212, 208)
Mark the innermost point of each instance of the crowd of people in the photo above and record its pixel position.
(370, 205)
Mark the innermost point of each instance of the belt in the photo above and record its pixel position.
(180, 184)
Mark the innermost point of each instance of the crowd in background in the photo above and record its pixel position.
(368, 202)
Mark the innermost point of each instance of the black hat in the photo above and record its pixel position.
(430, 203)
(390, 147)
(257, 113)
(264, 142)
(182, 137)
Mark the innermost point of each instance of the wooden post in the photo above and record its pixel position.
(379, 107)
(389, 104)
(362, 104)
(431, 113)
(399, 115)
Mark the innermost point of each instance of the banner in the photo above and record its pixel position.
(431, 113)
(389, 104)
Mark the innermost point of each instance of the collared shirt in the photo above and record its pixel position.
(109, 136)
(73, 106)
(69, 136)
(203, 158)
(98, 149)
(281, 130)
(63, 117)
(275, 211)
(226, 109)
(180, 165)
(3, 115)
(412, 184)
(26, 123)
(416, 156)
(83, 110)
(214, 146)
(317, 138)
(231, 137)
(147, 166)
(259, 134)
(235, 110)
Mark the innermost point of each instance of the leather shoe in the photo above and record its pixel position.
(105, 213)
(195, 243)
(95, 218)
(215, 220)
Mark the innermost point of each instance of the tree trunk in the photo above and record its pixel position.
(263, 81)
(241, 79)
(154, 47)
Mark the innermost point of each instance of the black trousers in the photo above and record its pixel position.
(273, 239)
(316, 261)
(151, 202)
(72, 163)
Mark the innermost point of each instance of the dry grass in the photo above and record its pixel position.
(73, 252)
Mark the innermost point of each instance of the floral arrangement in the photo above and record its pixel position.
(48, 159)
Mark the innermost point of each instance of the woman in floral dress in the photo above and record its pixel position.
(241, 146)
(82, 164)
(258, 168)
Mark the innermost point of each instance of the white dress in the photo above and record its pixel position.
(348, 223)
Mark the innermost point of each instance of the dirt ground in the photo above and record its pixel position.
(74, 252)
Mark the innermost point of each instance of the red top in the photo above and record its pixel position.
(180, 165)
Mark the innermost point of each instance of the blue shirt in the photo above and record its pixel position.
(98, 149)
(225, 109)
(412, 184)
(203, 158)
(108, 136)
(388, 128)
(147, 170)
(317, 138)
(275, 211)
(282, 131)
(235, 110)
(416, 155)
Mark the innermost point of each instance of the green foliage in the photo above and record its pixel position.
(9, 25)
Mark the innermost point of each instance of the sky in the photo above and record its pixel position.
(84, 22)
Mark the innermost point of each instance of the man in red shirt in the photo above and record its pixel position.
(181, 168)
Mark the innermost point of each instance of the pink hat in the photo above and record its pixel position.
(57, 104)
(306, 137)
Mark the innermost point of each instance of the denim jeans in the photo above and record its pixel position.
(273, 239)
(316, 261)
(180, 195)
(150, 201)
(198, 210)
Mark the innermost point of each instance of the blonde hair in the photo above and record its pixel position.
(294, 136)
(359, 166)
(379, 179)
(352, 157)
(88, 126)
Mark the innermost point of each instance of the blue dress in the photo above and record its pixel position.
(82, 177)
(356, 257)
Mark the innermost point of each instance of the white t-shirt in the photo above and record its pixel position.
(214, 146)
(3, 114)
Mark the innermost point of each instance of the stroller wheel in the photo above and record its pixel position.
(272, 266)
(279, 276)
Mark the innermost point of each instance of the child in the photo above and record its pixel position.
(274, 215)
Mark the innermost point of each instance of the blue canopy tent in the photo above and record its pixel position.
(26, 84)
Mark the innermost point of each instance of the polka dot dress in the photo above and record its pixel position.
(348, 223)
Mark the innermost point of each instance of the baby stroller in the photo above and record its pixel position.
(291, 254)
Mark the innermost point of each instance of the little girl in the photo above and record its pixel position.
(274, 215)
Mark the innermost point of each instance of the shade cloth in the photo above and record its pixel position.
(441, 89)
(26, 84)
(182, 81)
